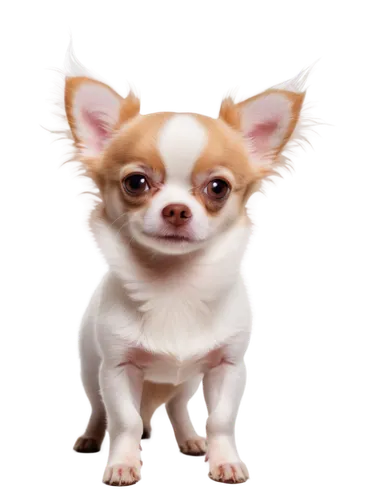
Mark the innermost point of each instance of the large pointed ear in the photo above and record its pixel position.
(94, 111)
(266, 121)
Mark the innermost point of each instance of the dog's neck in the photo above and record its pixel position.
(176, 298)
(210, 270)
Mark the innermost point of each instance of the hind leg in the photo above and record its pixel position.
(91, 440)
(189, 442)
(153, 396)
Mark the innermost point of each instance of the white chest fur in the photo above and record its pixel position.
(181, 318)
(179, 324)
(164, 368)
(173, 343)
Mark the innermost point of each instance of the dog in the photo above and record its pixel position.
(171, 223)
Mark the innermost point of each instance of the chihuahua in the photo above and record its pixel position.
(171, 223)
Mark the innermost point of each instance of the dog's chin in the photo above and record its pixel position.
(168, 245)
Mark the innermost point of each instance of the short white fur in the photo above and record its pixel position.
(180, 326)
(181, 141)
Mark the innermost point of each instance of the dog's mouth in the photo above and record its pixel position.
(174, 238)
(171, 243)
(181, 238)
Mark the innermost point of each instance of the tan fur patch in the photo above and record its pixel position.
(229, 113)
(225, 148)
(130, 108)
(136, 142)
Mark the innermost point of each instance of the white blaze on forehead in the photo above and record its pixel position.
(181, 141)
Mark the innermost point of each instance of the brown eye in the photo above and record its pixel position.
(135, 184)
(217, 189)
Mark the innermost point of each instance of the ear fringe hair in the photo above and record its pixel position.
(300, 137)
(71, 67)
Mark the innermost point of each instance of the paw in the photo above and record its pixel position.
(231, 473)
(122, 475)
(87, 445)
(195, 447)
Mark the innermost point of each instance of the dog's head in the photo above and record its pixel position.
(173, 180)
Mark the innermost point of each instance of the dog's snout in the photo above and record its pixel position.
(176, 214)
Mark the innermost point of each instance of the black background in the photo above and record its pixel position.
(293, 269)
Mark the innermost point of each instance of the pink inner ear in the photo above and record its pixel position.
(97, 125)
(261, 134)
(263, 129)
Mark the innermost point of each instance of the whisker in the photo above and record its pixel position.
(119, 217)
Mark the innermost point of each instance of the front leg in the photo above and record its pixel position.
(121, 388)
(223, 388)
